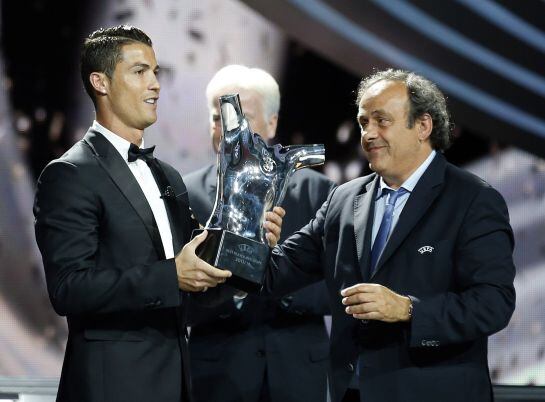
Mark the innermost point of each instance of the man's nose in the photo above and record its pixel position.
(155, 85)
(370, 133)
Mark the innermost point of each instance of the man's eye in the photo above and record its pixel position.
(363, 124)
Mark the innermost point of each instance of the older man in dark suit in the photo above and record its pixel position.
(259, 349)
(110, 222)
(420, 251)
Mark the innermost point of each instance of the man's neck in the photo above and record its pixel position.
(130, 134)
(396, 182)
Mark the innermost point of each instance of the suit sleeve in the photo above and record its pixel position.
(67, 225)
(484, 299)
(298, 261)
(312, 299)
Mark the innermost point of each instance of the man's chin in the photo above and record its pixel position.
(149, 122)
(375, 167)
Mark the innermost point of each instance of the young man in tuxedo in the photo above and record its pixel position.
(259, 349)
(113, 226)
(417, 257)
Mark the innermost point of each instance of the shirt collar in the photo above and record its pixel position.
(119, 143)
(411, 182)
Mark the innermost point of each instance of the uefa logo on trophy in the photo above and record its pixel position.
(252, 178)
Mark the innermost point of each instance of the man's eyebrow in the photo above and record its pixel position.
(376, 112)
(140, 64)
(144, 65)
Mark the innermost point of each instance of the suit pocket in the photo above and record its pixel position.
(319, 352)
(92, 334)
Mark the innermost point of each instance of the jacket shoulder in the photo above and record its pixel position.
(461, 175)
(342, 197)
(355, 186)
(470, 188)
(458, 178)
(78, 158)
(78, 154)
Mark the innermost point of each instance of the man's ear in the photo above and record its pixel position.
(425, 126)
(100, 82)
(271, 126)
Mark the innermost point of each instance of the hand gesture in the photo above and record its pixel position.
(370, 301)
(273, 224)
(194, 274)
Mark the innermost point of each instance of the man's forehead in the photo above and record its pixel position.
(138, 53)
(381, 93)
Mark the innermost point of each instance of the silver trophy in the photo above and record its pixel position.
(252, 179)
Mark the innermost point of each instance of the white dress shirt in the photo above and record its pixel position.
(144, 177)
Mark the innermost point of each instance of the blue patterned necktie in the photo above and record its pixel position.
(385, 225)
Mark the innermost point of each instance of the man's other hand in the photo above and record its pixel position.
(370, 301)
(194, 274)
(273, 225)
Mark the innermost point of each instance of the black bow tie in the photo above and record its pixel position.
(145, 154)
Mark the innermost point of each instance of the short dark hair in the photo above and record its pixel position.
(102, 51)
(424, 97)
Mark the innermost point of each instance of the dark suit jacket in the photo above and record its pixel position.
(106, 272)
(451, 249)
(232, 348)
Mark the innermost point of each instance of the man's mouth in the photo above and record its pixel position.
(151, 101)
(374, 148)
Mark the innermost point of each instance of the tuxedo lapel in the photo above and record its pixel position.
(180, 192)
(122, 176)
(421, 198)
(363, 222)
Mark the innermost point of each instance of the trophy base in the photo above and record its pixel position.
(247, 259)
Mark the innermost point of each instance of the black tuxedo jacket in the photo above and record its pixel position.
(451, 250)
(285, 340)
(106, 272)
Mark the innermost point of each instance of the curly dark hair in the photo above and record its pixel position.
(102, 51)
(424, 97)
